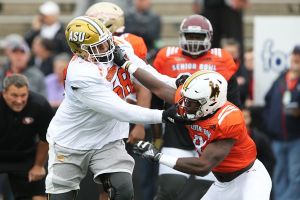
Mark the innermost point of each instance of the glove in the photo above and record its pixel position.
(171, 116)
(120, 57)
(180, 79)
(147, 150)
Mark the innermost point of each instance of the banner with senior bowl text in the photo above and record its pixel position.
(274, 39)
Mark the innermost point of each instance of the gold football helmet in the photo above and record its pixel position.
(111, 15)
(88, 38)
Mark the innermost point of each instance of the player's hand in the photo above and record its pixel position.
(158, 142)
(36, 173)
(147, 150)
(136, 134)
(180, 79)
(171, 116)
(120, 57)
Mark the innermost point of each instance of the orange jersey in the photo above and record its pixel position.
(227, 123)
(171, 61)
(137, 43)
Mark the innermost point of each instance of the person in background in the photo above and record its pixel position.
(232, 46)
(18, 54)
(142, 21)
(48, 25)
(55, 81)
(24, 119)
(42, 50)
(282, 118)
(226, 17)
(249, 66)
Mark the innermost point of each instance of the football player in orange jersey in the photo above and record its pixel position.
(194, 54)
(219, 135)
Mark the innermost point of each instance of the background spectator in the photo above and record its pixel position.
(142, 21)
(232, 46)
(18, 54)
(42, 50)
(47, 25)
(282, 119)
(24, 119)
(55, 81)
(226, 17)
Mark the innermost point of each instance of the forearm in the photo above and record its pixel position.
(192, 165)
(156, 86)
(41, 153)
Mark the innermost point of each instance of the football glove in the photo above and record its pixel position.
(120, 57)
(171, 116)
(180, 79)
(147, 150)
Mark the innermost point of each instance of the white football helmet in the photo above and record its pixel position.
(88, 38)
(202, 94)
(195, 35)
(111, 15)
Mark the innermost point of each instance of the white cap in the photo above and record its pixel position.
(49, 8)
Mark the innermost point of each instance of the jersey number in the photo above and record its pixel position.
(125, 87)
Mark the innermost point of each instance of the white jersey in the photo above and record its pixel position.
(92, 114)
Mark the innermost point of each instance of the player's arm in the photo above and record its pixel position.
(100, 98)
(213, 154)
(143, 96)
(157, 83)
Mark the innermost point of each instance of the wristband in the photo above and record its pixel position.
(167, 160)
(128, 66)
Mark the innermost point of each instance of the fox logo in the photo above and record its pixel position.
(76, 36)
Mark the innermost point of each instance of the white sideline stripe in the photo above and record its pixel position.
(224, 110)
(225, 114)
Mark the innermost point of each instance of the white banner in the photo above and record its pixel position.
(274, 39)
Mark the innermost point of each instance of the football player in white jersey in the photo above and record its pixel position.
(89, 126)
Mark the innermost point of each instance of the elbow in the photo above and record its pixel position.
(203, 171)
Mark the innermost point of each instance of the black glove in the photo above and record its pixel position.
(181, 78)
(147, 150)
(120, 56)
(171, 116)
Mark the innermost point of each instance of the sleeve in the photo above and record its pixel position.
(46, 115)
(158, 61)
(139, 47)
(141, 64)
(103, 100)
(231, 124)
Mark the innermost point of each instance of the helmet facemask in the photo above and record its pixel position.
(191, 109)
(100, 52)
(195, 43)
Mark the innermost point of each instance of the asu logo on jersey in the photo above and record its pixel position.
(76, 36)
